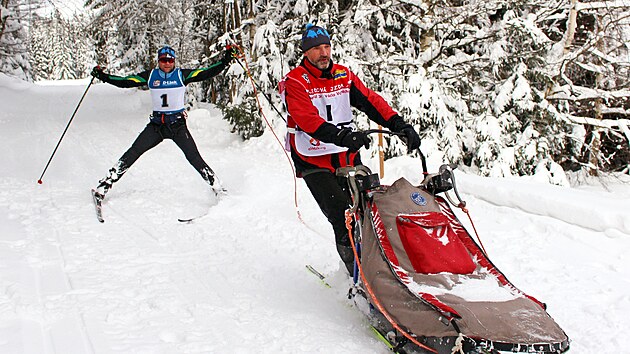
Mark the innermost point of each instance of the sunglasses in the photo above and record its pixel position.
(166, 60)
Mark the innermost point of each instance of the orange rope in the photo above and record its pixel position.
(465, 210)
(260, 109)
(368, 288)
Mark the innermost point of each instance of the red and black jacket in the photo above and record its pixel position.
(297, 88)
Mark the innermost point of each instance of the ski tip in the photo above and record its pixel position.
(319, 275)
(382, 337)
(97, 203)
(192, 219)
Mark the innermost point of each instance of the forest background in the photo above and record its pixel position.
(500, 87)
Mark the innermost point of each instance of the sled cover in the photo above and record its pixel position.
(433, 278)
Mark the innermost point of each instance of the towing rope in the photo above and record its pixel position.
(462, 206)
(238, 58)
(368, 289)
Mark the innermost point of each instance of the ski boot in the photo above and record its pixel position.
(217, 189)
(347, 256)
(209, 176)
(105, 184)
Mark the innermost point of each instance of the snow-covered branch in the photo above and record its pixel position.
(580, 93)
(598, 5)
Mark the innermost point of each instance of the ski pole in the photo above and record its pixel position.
(65, 130)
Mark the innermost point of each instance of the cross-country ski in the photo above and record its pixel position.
(98, 205)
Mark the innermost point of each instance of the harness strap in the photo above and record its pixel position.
(166, 118)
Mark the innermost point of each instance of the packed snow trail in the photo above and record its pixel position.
(234, 280)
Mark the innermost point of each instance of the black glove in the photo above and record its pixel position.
(97, 72)
(353, 140)
(398, 125)
(229, 53)
(412, 138)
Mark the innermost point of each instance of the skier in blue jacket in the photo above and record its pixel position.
(167, 85)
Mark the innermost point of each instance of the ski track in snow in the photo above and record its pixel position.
(234, 281)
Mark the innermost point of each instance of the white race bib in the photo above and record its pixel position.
(335, 108)
(168, 92)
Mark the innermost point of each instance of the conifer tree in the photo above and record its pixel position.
(59, 48)
(136, 30)
(504, 87)
(15, 16)
(591, 83)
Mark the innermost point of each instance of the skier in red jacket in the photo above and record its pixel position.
(318, 95)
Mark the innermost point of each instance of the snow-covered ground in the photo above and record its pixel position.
(235, 280)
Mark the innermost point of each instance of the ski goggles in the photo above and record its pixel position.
(167, 60)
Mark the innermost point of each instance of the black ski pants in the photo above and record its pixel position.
(153, 134)
(333, 197)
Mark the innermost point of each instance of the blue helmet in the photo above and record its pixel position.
(166, 52)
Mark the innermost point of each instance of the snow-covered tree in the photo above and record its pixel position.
(14, 21)
(130, 33)
(477, 78)
(41, 58)
(59, 48)
(502, 86)
(592, 81)
(269, 39)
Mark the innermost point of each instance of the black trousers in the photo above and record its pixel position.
(153, 134)
(333, 197)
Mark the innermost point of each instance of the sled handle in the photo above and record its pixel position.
(400, 135)
(351, 172)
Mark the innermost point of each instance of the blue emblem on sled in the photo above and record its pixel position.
(418, 199)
